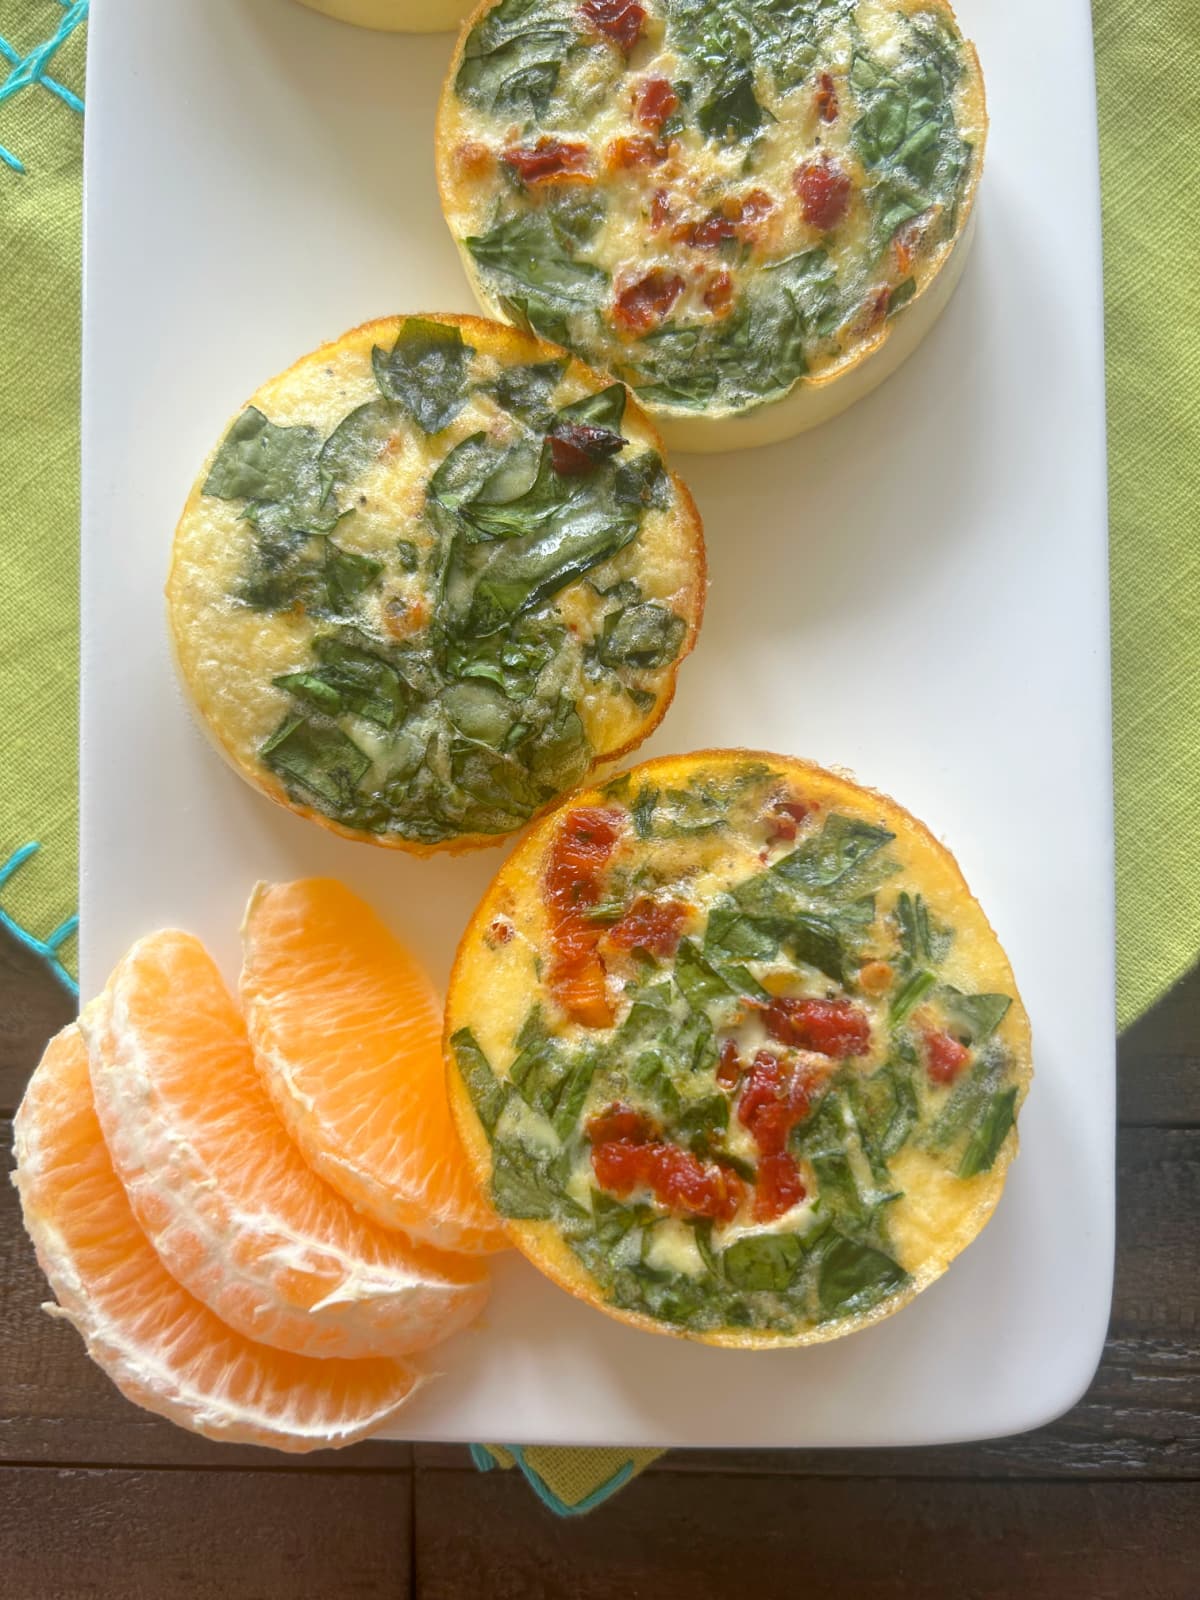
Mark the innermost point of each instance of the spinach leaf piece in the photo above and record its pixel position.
(763, 1261)
(358, 441)
(968, 1101)
(512, 58)
(577, 524)
(526, 1186)
(259, 460)
(352, 679)
(700, 982)
(488, 1095)
(642, 811)
(923, 941)
(606, 409)
(990, 1133)
(854, 1277)
(317, 757)
(824, 863)
(977, 1015)
(425, 372)
(909, 995)
(525, 391)
(643, 636)
(533, 260)
(701, 1120)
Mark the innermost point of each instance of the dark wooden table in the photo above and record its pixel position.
(103, 1501)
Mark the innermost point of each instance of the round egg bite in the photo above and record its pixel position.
(750, 213)
(430, 577)
(734, 1051)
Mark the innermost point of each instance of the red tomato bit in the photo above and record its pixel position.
(718, 296)
(772, 1102)
(784, 819)
(577, 448)
(677, 1179)
(618, 1122)
(547, 160)
(571, 888)
(647, 302)
(638, 151)
(827, 99)
(618, 20)
(836, 1028)
(653, 925)
(779, 1187)
(824, 191)
(729, 1067)
(656, 102)
(945, 1057)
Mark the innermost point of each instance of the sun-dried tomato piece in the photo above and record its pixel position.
(835, 1028)
(826, 98)
(718, 296)
(546, 160)
(618, 20)
(638, 151)
(753, 207)
(824, 191)
(773, 1100)
(648, 301)
(656, 102)
(729, 1065)
(618, 1122)
(784, 819)
(577, 448)
(708, 233)
(945, 1057)
(571, 887)
(653, 925)
(677, 1179)
(778, 1187)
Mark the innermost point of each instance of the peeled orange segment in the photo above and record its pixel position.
(346, 1030)
(162, 1348)
(235, 1212)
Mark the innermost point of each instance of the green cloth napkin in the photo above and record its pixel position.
(1149, 117)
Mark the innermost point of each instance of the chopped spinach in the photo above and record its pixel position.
(318, 759)
(425, 372)
(976, 1015)
(643, 636)
(990, 1132)
(259, 460)
(525, 391)
(854, 1276)
(763, 1261)
(535, 266)
(488, 1095)
(512, 58)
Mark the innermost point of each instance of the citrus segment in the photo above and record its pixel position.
(346, 1031)
(233, 1209)
(162, 1348)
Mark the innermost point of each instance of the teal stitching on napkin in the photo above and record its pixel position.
(31, 69)
(47, 949)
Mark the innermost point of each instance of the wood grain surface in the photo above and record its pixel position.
(101, 1501)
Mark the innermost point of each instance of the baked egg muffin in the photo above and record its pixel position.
(750, 212)
(430, 576)
(735, 1052)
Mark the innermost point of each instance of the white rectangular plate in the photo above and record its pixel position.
(917, 592)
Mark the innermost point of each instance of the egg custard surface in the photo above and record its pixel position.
(734, 1051)
(430, 576)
